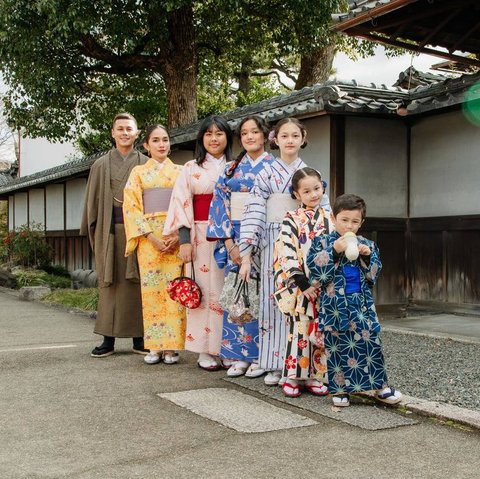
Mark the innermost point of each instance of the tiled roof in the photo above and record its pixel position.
(359, 8)
(334, 97)
(411, 78)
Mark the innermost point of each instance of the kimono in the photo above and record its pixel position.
(196, 183)
(119, 312)
(257, 237)
(163, 318)
(304, 353)
(348, 318)
(239, 342)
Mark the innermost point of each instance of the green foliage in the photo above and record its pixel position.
(84, 299)
(26, 246)
(72, 65)
(38, 277)
(57, 270)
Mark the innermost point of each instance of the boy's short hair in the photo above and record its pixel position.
(349, 202)
(124, 116)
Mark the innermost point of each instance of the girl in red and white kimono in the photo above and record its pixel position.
(188, 214)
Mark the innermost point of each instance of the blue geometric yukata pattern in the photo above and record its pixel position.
(239, 342)
(355, 360)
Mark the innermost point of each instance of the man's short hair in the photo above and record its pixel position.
(124, 116)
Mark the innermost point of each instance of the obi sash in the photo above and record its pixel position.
(118, 215)
(237, 204)
(277, 205)
(201, 206)
(156, 200)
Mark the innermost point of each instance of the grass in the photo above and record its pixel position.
(38, 277)
(84, 299)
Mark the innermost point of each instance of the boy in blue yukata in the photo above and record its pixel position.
(348, 318)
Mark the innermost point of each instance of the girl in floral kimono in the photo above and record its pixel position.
(268, 202)
(297, 296)
(188, 215)
(146, 199)
(239, 341)
(348, 318)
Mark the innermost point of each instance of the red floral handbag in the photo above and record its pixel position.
(185, 290)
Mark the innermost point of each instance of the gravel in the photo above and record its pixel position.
(434, 369)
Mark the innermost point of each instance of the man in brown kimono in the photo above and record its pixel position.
(119, 313)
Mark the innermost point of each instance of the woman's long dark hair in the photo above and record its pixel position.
(148, 133)
(262, 125)
(221, 124)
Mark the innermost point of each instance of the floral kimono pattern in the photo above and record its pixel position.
(257, 236)
(355, 360)
(204, 324)
(163, 319)
(304, 354)
(239, 342)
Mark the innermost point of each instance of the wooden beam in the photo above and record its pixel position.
(438, 28)
(418, 49)
(464, 37)
(371, 14)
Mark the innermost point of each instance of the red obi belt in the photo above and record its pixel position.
(201, 206)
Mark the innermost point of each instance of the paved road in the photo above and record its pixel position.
(66, 415)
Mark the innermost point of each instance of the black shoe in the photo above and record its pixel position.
(137, 350)
(102, 351)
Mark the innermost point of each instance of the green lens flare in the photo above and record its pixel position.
(471, 106)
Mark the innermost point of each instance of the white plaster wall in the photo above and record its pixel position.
(38, 154)
(54, 220)
(37, 206)
(376, 164)
(445, 167)
(21, 217)
(75, 195)
(317, 152)
(10, 212)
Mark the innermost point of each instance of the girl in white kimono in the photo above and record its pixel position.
(269, 200)
(188, 214)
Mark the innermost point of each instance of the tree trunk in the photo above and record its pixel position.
(315, 67)
(244, 83)
(179, 70)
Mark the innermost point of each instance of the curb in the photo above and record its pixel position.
(442, 411)
(458, 339)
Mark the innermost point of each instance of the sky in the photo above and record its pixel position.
(379, 69)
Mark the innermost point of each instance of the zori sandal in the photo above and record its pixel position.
(171, 357)
(315, 387)
(389, 395)
(291, 388)
(238, 368)
(341, 400)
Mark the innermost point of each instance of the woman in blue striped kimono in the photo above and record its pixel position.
(239, 341)
(269, 200)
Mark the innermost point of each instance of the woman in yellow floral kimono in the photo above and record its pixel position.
(146, 199)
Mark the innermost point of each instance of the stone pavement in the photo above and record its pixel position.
(66, 415)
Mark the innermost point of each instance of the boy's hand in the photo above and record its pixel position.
(340, 245)
(364, 250)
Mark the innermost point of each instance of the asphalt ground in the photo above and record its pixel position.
(64, 414)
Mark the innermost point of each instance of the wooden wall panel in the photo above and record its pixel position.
(470, 241)
(426, 266)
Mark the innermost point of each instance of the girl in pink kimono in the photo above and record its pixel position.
(188, 214)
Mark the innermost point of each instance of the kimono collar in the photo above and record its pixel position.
(292, 166)
(209, 157)
(157, 165)
(122, 156)
(253, 162)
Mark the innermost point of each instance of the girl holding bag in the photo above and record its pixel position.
(188, 215)
(239, 339)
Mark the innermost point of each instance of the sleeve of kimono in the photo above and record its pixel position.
(255, 214)
(286, 256)
(90, 208)
(219, 224)
(180, 211)
(320, 261)
(371, 268)
(135, 223)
